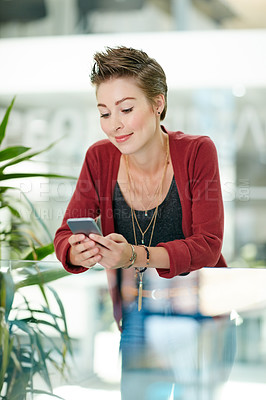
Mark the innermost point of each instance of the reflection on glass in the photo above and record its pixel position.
(173, 348)
(201, 338)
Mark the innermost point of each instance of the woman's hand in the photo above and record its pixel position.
(83, 251)
(114, 250)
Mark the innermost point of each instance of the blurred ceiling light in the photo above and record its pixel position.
(234, 316)
(239, 90)
(200, 60)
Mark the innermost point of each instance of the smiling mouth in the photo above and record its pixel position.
(123, 138)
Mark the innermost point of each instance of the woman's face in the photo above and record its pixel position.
(127, 117)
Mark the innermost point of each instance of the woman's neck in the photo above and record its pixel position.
(150, 159)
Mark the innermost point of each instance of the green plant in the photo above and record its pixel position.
(20, 236)
(26, 350)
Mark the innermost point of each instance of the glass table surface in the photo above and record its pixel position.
(204, 334)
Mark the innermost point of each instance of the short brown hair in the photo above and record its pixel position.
(123, 61)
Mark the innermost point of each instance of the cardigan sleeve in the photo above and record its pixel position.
(202, 191)
(84, 203)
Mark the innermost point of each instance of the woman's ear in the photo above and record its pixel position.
(159, 102)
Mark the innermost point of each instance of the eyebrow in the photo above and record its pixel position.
(117, 102)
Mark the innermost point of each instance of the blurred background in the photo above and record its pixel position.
(214, 56)
(213, 52)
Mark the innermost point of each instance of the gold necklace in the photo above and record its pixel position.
(130, 180)
(140, 271)
(154, 217)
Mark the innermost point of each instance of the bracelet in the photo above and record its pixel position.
(148, 255)
(147, 261)
(132, 258)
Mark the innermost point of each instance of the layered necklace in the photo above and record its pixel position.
(151, 224)
(155, 213)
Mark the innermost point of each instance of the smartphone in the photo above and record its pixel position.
(83, 225)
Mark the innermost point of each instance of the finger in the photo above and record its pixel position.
(103, 241)
(84, 255)
(85, 245)
(87, 254)
(91, 262)
(116, 237)
(89, 257)
(76, 239)
(86, 258)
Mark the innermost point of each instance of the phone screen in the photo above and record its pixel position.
(83, 225)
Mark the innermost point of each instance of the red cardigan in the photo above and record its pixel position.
(196, 172)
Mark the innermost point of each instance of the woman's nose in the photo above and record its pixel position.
(117, 124)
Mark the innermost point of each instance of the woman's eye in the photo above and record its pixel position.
(104, 115)
(127, 110)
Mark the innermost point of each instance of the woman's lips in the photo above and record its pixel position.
(123, 138)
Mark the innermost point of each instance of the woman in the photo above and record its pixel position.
(157, 193)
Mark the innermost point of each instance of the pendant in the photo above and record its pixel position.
(146, 213)
(140, 291)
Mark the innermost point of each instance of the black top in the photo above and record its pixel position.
(168, 224)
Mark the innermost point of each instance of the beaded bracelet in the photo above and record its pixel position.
(147, 260)
(148, 255)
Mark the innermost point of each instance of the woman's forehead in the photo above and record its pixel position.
(117, 89)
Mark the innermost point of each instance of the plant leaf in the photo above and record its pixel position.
(13, 211)
(64, 336)
(62, 310)
(18, 175)
(6, 348)
(7, 291)
(33, 209)
(17, 382)
(11, 152)
(31, 155)
(3, 189)
(40, 252)
(38, 218)
(51, 341)
(44, 392)
(5, 121)
(42, 360)
(43, 277)
(23, 326)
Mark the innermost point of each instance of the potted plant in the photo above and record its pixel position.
(20, 237)
(25, 348)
